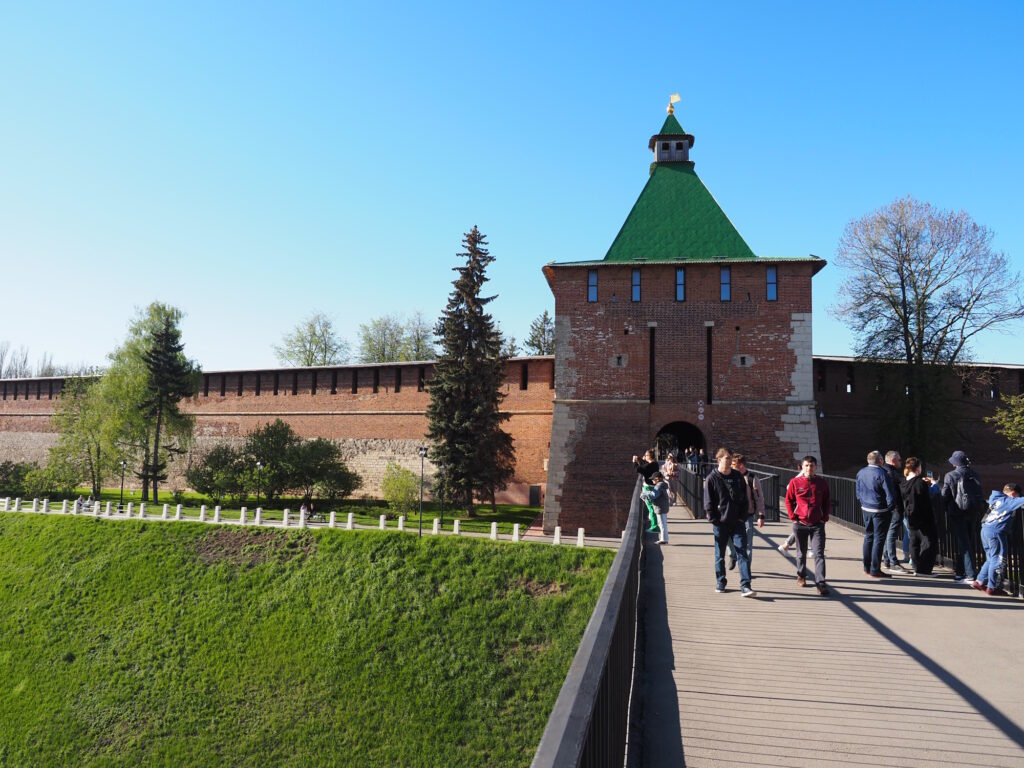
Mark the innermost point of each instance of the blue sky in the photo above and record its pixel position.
(250, 163)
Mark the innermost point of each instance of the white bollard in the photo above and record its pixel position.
(107, 510)
(350, 523)
(558, 535)
(382, 522)
(334, 520)
(401, 522)
(74, 507)
(17, 505)
(46, 506)
(202, 513)
(579, 537)
(35, 505)
(286, 513)
(96, 509)
(515, 532)
(177, 512)
(142, 510)
(437, 527)
(259, 515)
(242, 514)
(494, 531)
(63, 506)
(166, 511)
(456, 529)
(131, 505)
(216, 514)
(302, 518)
(6, 503)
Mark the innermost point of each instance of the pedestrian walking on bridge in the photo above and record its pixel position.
(809, 504)
(727, 506)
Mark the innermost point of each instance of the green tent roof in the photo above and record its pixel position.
(676, 219)
(671, 126)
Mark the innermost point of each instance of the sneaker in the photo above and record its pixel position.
(896, 568)
(662, 541)
(748, 592)
(719, 590)
(732, 563)
(822, 589)
(879, 575)
(961, 580)
(801, 581)
(924, 575)
(783, 549)
(991, 592)
(978, 586)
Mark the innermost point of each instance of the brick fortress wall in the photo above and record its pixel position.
(758, 399)
(376, 413)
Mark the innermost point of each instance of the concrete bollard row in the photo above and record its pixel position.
(202, 513)
(494, 531)
(558, 535)
(35, 505)
(350, 522)
(515, 532)
(383, 518)
(456, 528)
(142, 510)
(46, 506)
(401, 522)
(333, 521)
(177, 512)
(579, 537)
(165, 512)
(259, 515)
(242, 515)
(302, 517)
(436, 527)
(216, 514)
(286, 513)
(107, 510)
(131, 509)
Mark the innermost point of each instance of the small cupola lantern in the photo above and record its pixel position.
(672, 144)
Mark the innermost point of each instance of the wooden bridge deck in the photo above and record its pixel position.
(902, 672)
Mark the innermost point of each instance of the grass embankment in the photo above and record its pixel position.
(152, 644)
(365, 511)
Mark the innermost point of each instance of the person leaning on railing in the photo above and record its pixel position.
(646, 468)
(995, 533)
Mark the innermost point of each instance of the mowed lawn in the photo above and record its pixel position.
(149, 643)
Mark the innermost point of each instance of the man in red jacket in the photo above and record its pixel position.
(808, 505)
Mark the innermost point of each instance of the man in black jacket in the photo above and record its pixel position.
(963, 517)
(727, 506)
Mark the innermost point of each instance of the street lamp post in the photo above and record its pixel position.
(423, 454)
(440, 486)
(259, 481)
(120, 504)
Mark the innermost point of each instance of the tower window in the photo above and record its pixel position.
(772, 284)
(636, 285)
(681, 284)
(849, 379)
(592, 285)
(679, 146)
(664, 146)
(725, 283)
(524, 376)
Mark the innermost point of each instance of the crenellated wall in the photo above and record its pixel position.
(376, 413)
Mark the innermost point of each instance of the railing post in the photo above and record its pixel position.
(46, 506)
(302, 517)
(142, 510)
(106, 510)
(401, 522)
(436, 529)
(579, 537)
(494, 531)
(165, 511)
(259, 515)
(131, 508)
(35, 505)
(286, 513)
(216, 514)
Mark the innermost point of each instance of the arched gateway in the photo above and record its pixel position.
(676, 437)
(680, 324)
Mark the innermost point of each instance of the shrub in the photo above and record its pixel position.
(401, 488)
(12, 476)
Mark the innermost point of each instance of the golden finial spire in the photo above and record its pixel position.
(671, 101)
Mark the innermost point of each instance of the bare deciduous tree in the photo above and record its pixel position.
(921, 284)
(312, 342)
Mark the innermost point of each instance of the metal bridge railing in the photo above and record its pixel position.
(590, 721)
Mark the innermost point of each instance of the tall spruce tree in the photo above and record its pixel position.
(170, 378)
(464, 418)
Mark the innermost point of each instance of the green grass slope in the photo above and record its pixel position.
(148, 643)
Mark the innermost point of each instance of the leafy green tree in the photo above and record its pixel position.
(400, 488)
(1009, 422)
(272, 445)
(419, 339)
(541, 340)
(317, 468)
(82, 443)
(12, 476)
(222, 472)
(314, 341)
(464, 414)
(171, 378)
(129, 429)
(382, 340)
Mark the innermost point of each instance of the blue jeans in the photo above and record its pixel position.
(993, 569)
(876, 526)
(734, 537)
(748, 528)
(895, 526)
(961, 527)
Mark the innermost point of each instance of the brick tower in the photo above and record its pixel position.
(679, 336)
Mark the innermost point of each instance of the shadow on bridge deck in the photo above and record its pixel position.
(904, 672)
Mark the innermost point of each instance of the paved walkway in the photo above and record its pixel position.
(904, 672)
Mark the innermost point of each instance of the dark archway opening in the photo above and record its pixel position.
(677, 437)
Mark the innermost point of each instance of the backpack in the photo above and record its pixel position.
(969, 495)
